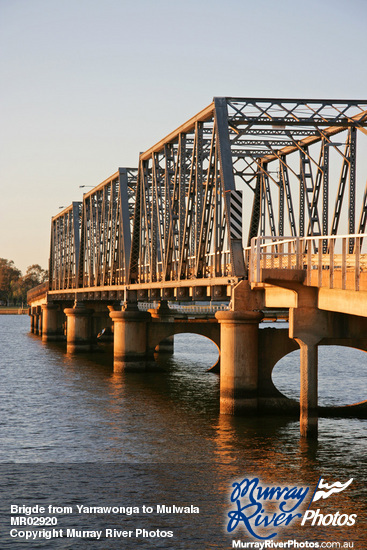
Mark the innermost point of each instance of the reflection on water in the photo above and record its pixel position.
(75, 410)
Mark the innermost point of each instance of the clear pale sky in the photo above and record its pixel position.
(88, 84)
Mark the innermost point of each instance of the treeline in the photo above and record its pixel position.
(14, 286)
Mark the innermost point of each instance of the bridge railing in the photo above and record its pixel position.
(335, 268)
(38, 292)
(189, 309)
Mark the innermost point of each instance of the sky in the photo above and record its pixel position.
(86, 85)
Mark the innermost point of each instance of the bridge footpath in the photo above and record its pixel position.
(174, 230)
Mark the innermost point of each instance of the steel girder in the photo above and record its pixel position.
(91, 240)
(105, 231)
(278, 151)
(283, 151)
(276, 155)
(183, 214)
(65, 248)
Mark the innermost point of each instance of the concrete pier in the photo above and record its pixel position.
(79, 328)
(32, 314)
(308, 325)
(307, 328)
(247, 354)
(164, 315)
(38, 320)
(239, 361)
(129, 339)
(51, 325)
(309, 390)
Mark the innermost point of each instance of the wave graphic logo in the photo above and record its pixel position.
(324, 490)
(316, 518)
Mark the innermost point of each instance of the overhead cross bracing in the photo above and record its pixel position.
(106, 230)
(282, 154)
(240, 168)
(91, 240)
(64, 249)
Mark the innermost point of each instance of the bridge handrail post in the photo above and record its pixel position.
(332, 261)
(357, 252)
(309, 264)
(319, 265)
(252, 262)
(344, 263)
(273, 250)
(258, 258)
(308, 253)
(298, 253)
(289, 254)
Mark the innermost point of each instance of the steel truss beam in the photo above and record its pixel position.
(91, 240)
(64, 249)
(240, 142)
(105, 230)
(268, 135)
(278, 154)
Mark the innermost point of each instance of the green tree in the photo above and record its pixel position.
(34, 276)
(9, 276)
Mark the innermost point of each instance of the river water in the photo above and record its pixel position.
(75, 433)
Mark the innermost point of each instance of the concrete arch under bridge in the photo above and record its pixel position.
(164, 324)
(137, 335)
(274, 344)
(161, 332)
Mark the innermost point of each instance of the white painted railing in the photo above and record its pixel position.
(327, 256)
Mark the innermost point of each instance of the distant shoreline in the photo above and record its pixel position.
(13, 311)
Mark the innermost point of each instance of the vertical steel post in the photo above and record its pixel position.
(301, 231)
(76, 235)
(227, 180)
(325, 193)
(352, 187)
(281, 204)
(125, 218)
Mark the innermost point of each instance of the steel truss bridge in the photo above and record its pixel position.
(178, 224)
